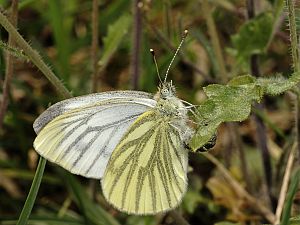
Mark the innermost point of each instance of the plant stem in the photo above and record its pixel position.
(285, 184)
(95, 43)
(293, 34)
(34, 56)
(33, 192)
(296, 66)
(9, 65)
(295, 60)
(37, 60)
(137, 31)
(215, 40)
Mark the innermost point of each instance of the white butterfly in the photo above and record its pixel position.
(132, 140)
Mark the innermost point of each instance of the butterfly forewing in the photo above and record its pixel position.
(80, 134)
(147, 171)
(78, 103)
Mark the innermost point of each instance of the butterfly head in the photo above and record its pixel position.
(167, 90)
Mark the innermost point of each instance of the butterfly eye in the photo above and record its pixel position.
(164, 92)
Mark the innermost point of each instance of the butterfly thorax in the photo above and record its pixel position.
(173, 110)
(167, 102)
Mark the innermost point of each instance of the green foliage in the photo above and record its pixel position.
(253, 37)
(232, 102)
(61, 25)
(289, 200)
(113, 39)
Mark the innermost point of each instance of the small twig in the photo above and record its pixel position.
(285, 184)
(94, 55)
(137, 30)
(9, 65)
(13, 51)
(95, 43)
(34, 56)
(206, 9)
(256, 204)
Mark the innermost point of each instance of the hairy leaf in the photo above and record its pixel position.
(232, 102)
(253, 37)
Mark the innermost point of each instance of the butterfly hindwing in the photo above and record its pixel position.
(147, 172)
(79, 134)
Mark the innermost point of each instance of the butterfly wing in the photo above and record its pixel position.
(80, 133)
(147, 172)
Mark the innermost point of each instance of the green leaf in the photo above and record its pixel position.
(115, 35)
(61, 29)
(290, 196)
(225, 103)
(232, 102)
(253, 37)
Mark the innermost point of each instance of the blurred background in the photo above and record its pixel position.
(92, 51)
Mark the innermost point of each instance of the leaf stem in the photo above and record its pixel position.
(34, 56)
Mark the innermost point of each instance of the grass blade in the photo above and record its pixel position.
(32, 193)
(290, 196)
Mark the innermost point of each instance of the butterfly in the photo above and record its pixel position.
(133, 141)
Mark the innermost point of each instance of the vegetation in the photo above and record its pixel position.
(238, 57)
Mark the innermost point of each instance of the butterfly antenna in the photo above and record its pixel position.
(156, 66)
(177, 50)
